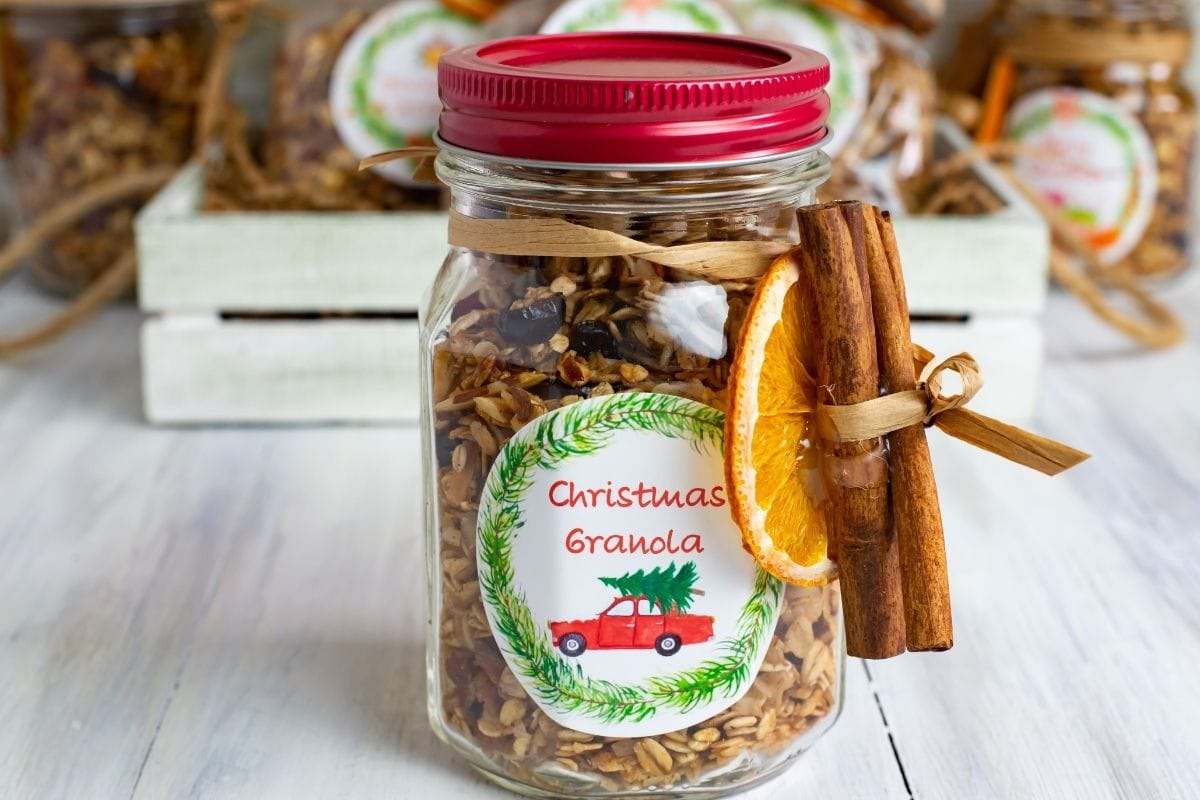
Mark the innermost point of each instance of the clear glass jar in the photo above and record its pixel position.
(91, 92)
(508, 341)
(1103, 81)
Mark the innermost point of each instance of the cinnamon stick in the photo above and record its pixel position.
(833, 257)
(915, 509)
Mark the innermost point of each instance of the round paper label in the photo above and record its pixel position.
(383, 95)
(612, 574)
(1092, 160)
(685, 16)
(852, 51)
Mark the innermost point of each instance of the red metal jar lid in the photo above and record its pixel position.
(633, 99)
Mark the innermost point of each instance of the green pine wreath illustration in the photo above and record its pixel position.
(365, 108)
(579, 430)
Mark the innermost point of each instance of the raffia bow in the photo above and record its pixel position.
(928, 404)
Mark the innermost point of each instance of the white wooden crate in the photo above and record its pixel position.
(202, 367)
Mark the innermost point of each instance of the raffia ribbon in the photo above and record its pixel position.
(929, 405)
(552, 237)
(420, 152)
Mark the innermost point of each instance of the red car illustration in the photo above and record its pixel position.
(628, 624)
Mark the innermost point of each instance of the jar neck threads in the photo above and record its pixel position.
(670, 190)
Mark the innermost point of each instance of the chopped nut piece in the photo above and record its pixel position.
(634, 373)
(563, 285)
(573, 370)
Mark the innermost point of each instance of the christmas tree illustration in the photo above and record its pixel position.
(669, 588)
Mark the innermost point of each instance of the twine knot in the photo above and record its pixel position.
(929, 405)
(969, 374)
(920, 406)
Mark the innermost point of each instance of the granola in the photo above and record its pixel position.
(87, 99)
(525, 337)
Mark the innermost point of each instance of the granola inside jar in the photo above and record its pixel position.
(1106, 123)
(93, 91)
(596, 629)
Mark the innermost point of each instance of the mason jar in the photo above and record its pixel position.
(96, 89)
(1106, 123)
(596, 629)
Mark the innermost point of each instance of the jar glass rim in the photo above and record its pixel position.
(454, 150)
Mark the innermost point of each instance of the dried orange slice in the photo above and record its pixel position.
(771, 467)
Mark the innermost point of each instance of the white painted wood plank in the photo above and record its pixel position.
(1073, 671)
(204, 370)
(307, 677)
(201, 370)
(282, 261)
(1010, 351)
(976, 265)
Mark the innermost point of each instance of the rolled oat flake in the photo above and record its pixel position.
(596, 628)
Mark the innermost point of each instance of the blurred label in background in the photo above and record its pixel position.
(383, 94)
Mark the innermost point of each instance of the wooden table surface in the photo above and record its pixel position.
(238, 613)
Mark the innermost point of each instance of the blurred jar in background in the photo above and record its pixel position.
(1106, 124)
(93, 90)
(882, 91)
(354, 78)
